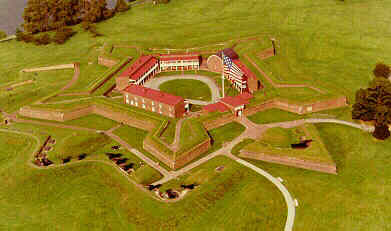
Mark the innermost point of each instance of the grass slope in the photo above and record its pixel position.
(35, 199)
(352, 200)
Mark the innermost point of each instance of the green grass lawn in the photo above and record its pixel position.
(72, 197)
(333, 45)
(273, 116)
(225, 134)
(188, 89)
(276, 115)
(352, 200)
(168, 135)
(44, 83)
(277, 141)
(93, 121)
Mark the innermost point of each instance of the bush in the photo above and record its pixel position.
(381, 132)
(62, 35)
(3, 34)
(121, 6)
(88, 26)
(42, 40)
(382, 70)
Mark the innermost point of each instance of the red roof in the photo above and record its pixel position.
(215, 107)
(170, 57)
(155, 95)
(138, 68)
(246, 96)
(235, 101)
(247, 72)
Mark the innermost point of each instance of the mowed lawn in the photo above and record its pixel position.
(188, 89)
(330, 44)
(356, 198)
(74, 196)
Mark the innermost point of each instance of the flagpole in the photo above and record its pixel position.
(222, 72)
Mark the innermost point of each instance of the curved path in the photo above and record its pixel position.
(156, 82)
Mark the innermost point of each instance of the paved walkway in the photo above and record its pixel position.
(156, 82)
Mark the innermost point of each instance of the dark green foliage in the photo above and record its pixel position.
(62, 35)
(45, 15)
(381, 132)
(42, 40)
(19, 35)
(88, 26)
(374, 104)
(121, 6)
(96, 11)
(382, 70)
(3, 34)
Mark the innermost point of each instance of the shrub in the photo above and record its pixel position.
(62, 35)
(382, 70)
(381, 132)
(3, 34)
(121, 6)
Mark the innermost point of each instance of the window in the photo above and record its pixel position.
(160, 105)
(144, 106)
(153, 109)
(131, 102)
(153, 103)
(143, 101)
(136, 104)
(127, 98)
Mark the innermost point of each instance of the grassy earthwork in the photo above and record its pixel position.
(330, 44)
(277, 141)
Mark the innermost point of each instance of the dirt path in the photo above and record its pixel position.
(175, 144)
(276, 85)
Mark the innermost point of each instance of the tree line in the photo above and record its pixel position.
(374, 103)
(57, 15)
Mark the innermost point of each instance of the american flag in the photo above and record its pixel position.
(227, 61)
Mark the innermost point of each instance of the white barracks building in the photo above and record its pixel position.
(179, 62)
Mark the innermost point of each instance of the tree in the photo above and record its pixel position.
(121, 6)
(374, 104)
(382, 70)
(3, 34)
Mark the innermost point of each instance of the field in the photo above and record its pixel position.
(90, 190)
(277, 141)
(330, 44)
(352, 200)
(188, 89)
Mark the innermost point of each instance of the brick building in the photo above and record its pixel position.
(242, 78)
(154, 101)
(177, 62)
(139, 72)
(234, 104)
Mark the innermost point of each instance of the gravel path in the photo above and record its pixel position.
(156, 82)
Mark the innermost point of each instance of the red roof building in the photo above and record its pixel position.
(154, 100)
(235, 104)
(174, 62)
(220, 107)
(140, 71)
